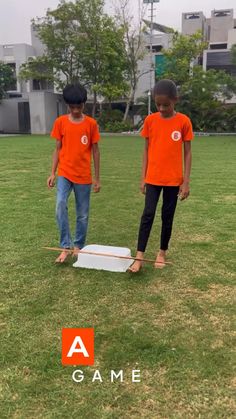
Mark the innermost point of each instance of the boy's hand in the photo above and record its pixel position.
(96, 186)
(143, 187)
(184, 191)
(51, 181)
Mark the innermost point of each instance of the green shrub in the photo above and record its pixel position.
(110, 115)
(118, 126)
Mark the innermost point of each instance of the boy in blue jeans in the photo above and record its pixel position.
(77, 139)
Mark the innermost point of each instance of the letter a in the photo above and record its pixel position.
(81, 349)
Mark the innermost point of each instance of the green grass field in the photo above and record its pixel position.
(175, 325)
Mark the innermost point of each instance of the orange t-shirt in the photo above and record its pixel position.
(75, 154)
(165, 139)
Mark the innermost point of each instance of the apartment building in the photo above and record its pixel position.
(220, 33)
(15, 55)
(32, 106)
(152, 64)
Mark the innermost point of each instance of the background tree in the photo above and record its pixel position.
(180, 58)
(7, 79)
(203, 94)
(203, 98)
(59, 31)
(38, 68)
(102, 53)
(82, 43)
(135, 49)
(233, 54)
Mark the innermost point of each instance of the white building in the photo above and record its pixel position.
(219, 31)
(147, 80)
(31, 107)
(15, 55)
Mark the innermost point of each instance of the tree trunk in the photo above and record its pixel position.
(126, 110)
(128, 103)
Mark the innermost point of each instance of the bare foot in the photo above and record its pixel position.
(76, 251)
(160, 260)
(137, 265)
(62, 257)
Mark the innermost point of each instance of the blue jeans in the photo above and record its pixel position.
(82, 199)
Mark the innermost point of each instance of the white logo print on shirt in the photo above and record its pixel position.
(84, 139)
(176, 135)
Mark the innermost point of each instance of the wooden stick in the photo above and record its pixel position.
(59, 249)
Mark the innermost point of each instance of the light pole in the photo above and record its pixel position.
(151, 57)
(149, 101)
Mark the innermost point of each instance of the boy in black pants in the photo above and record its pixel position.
(166, 132)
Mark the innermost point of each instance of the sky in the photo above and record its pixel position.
(16, 15)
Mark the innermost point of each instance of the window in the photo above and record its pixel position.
(222, 13)
(36, 85)
(192, 16)
(218, 46)
(155, 48)
(8, 51)
(13, 85)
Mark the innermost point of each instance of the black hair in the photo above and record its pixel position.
(74, 94)
(165, 87)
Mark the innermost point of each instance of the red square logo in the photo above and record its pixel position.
(77, 346)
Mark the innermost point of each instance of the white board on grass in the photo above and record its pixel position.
(106, 263)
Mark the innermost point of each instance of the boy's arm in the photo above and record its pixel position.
(184, 189)
(55, 160)
(96, 161)
(144, 167)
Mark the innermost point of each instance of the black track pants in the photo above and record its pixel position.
(170, 196)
